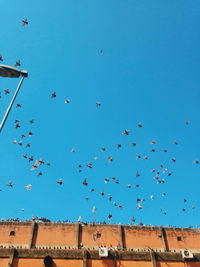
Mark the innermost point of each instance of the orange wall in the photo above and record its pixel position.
(22, 234)
(111, 263)
(65, 235)
(40, 263)
(141, 238)
(190, 239)
(109, 236)
(56, 235)
(4, 262)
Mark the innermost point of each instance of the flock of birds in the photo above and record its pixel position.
(158, 175)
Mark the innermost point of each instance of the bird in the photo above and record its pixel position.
(175, 143)
(18, 105)
(28, 145)
(28, 187)
(6, 91)
(106, 180)
(89, 164)
(17, 126)
(153, 142)
(72, 150)
(24, 22)
(103, 149)
(119, 146)
(110, 158)
(30, 159)
(30, 134)
(85, 182)
(53, 95)
(20, 143)
(196, 161)
(10, 184)
(109, 197)
(110, 216)
(25, 155)
(137, 174)
(1, 57)
(98, 104)
(59, 181)
(31, 121)
(17, 63)
(67, 101)
(126, 132)
(132, 219)
(139, 125)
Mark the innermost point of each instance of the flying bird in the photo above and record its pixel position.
(6, 91)
(67, 101)
(24, 22)
(17, 63)
(28, 187)
(59, 181)
(126, 132)
(53, 95)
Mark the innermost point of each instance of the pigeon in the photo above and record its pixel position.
(59, 181)
(126, 132)
(98, 104)
(24, 22)
(17, 63)
(53, 95)
(28, 187)
(67, 101)
(6, 91)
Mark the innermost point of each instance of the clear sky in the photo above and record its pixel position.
(140, 59)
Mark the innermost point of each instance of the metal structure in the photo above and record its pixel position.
(11, 72)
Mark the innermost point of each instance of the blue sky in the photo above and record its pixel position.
(148, 72)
